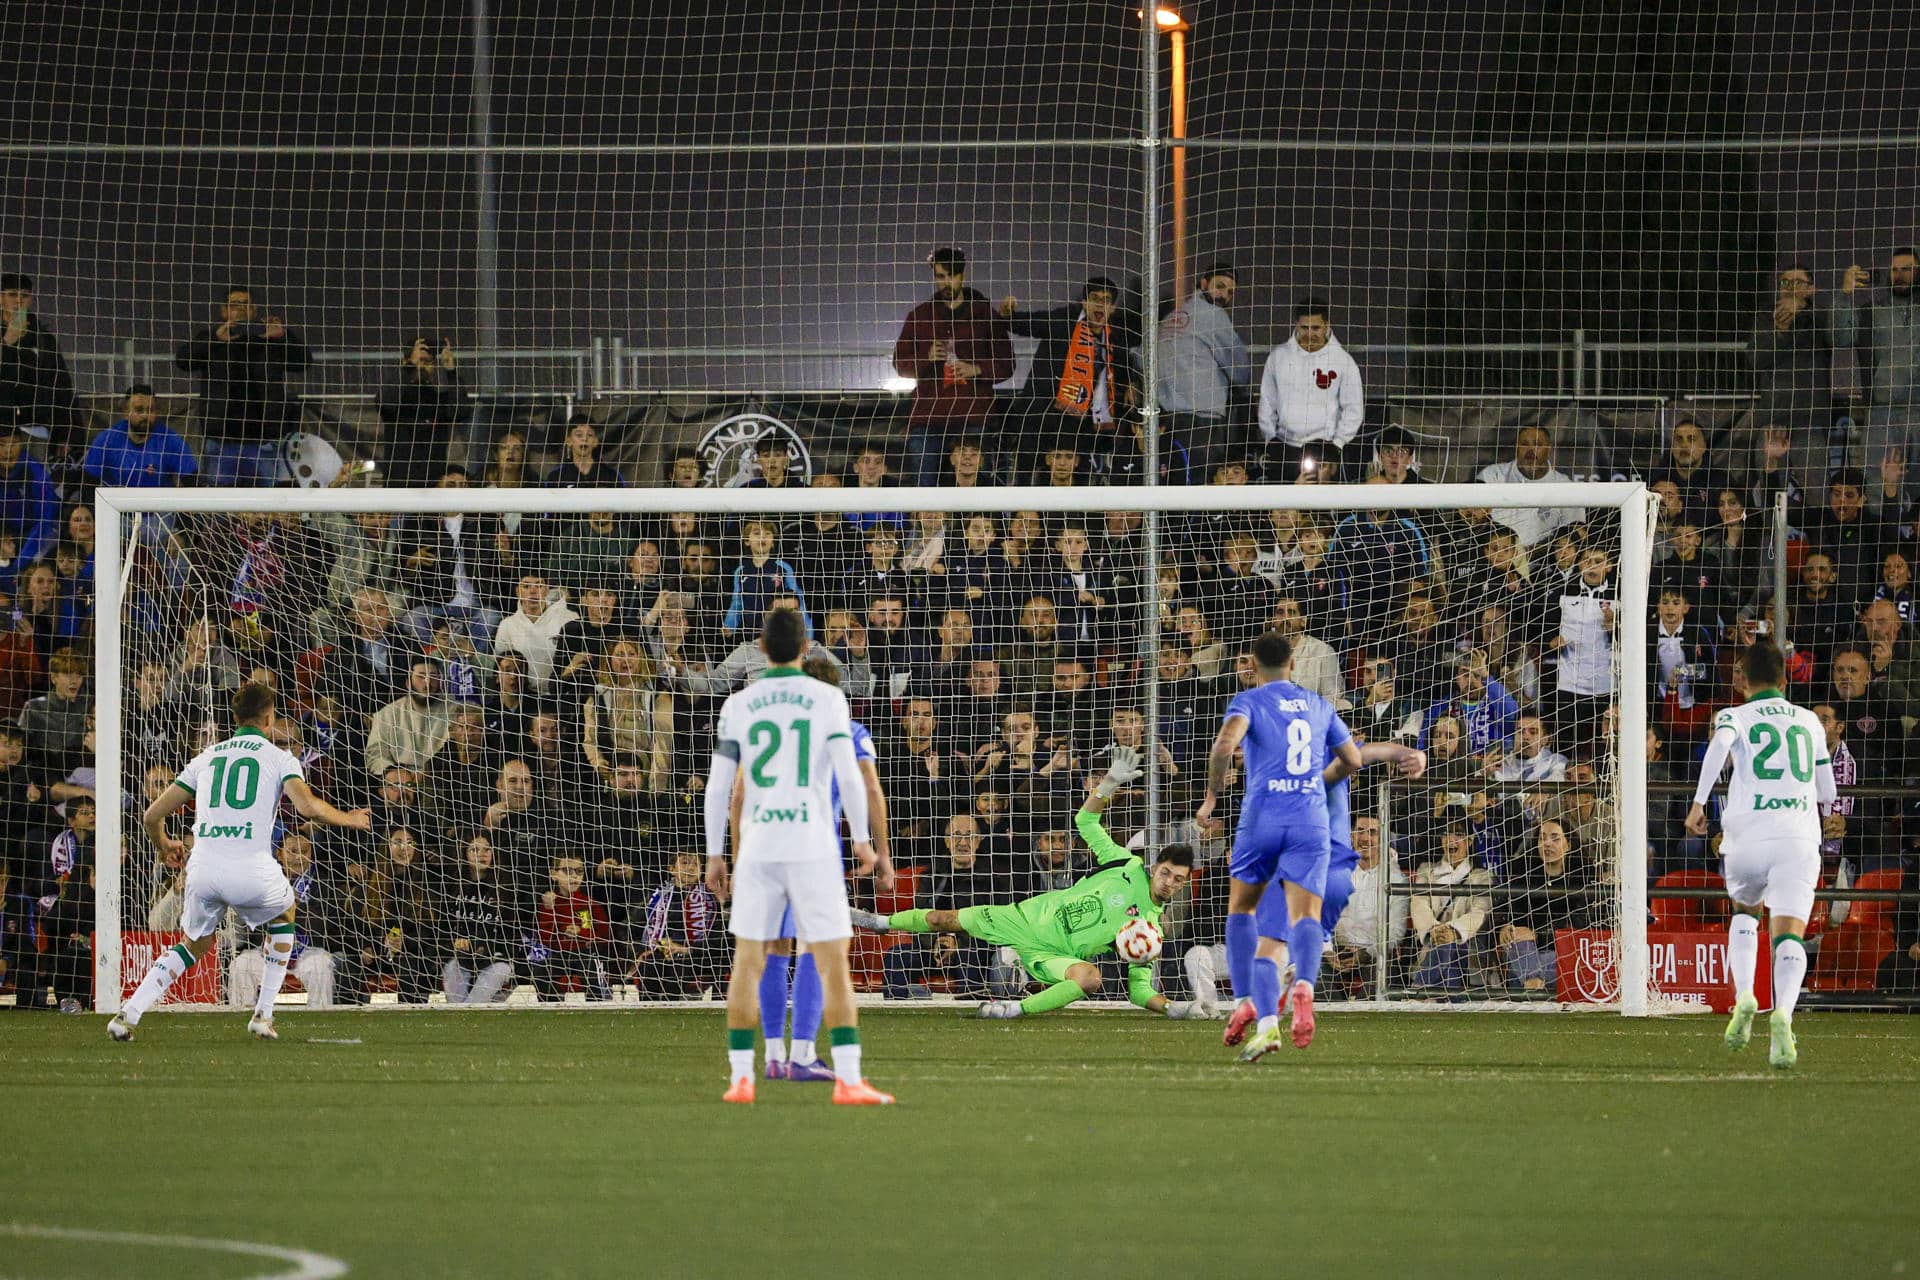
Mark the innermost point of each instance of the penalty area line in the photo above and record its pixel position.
(306, 1266)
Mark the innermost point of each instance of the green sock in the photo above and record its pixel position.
(1058, 996)
(909, 921)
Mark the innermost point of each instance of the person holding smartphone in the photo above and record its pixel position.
(243, 364)
(1883, 327)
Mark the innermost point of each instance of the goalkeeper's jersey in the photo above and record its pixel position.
(1781, 770)
(1082, 919)
(236, 788)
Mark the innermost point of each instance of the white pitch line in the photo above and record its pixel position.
(307, 1266)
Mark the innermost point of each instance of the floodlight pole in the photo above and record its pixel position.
(486, 202)
(1149, 654)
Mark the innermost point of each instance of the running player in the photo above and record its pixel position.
(1782, 786)
(235, 788)
(1270, 958)
(790, 737)
(1057, 934)
(803, 1062)
(1288, 734)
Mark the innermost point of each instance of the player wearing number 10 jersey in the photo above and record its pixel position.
(235, 788)
(1782, 786)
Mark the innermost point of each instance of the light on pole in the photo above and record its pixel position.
(1169, 21)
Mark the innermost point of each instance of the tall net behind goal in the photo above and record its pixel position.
(523, 692)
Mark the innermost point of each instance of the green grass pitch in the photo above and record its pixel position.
(595, 1144)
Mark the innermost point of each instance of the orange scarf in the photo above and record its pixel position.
(1075, 395)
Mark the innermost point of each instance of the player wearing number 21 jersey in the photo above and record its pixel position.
(789, 738)
(1770, 850)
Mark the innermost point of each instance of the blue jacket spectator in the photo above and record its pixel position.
(29, 507)
(759, 579)
(140, 451)
(1482, 703)
(1376, 556)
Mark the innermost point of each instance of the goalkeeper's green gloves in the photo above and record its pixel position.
(1124, 768)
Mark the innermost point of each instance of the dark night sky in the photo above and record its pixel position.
(825, 248)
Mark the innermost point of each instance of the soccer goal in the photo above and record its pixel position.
(520, 684)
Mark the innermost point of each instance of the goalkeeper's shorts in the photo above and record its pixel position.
(1004, 926)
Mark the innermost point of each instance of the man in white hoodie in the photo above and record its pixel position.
(1310, 394)
(533, 630)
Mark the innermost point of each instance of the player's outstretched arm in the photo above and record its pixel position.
(1106, 850)
(164, 806)
(1346, 761)
(1219, 765)
(1410, 761)
(718, 801)
(1719, 747)
(1140, 990)
(312, 806)
(1125, 766)
(883, 878)
(853, 798)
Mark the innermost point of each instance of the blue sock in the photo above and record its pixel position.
(1334, 902)
(1266, 988)
(1243, 939)
(773, 999)
(1303, 948)
(808, 1002)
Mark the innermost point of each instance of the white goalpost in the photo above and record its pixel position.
(1165, 569)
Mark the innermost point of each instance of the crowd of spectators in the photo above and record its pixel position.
(525, 699)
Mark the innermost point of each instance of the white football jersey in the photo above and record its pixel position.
(781, 726)
(236, 791)
(1781, 770)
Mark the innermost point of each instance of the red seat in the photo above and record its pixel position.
(1679, 914)
(866, 952)
(1850, 956)
(906, 882)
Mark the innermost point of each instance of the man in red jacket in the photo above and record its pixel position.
(955, 348)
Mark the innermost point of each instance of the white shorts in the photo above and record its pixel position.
(256, 891)
(815, 891)
(1780, 874)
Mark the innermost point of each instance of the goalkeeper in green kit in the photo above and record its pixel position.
(1056, 934)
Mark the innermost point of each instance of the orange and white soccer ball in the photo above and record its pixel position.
(1139, 942)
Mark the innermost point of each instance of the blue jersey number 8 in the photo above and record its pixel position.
(1299, 747)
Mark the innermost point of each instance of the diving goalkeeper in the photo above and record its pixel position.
(1057, 933)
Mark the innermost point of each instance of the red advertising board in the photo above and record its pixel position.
(138, 949)
(1687, 968)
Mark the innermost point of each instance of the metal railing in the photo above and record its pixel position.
(608, 365)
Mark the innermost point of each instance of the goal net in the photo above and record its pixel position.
(521, 686)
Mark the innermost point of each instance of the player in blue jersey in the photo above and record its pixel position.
(801, 1060)
(1291, 740)
(1270, 917)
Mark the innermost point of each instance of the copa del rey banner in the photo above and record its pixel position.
(140, 947)
(1689, 969)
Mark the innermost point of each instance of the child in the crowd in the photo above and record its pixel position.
(574, 931)
(682, 947)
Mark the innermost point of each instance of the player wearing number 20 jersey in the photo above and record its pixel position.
(1781, 776)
